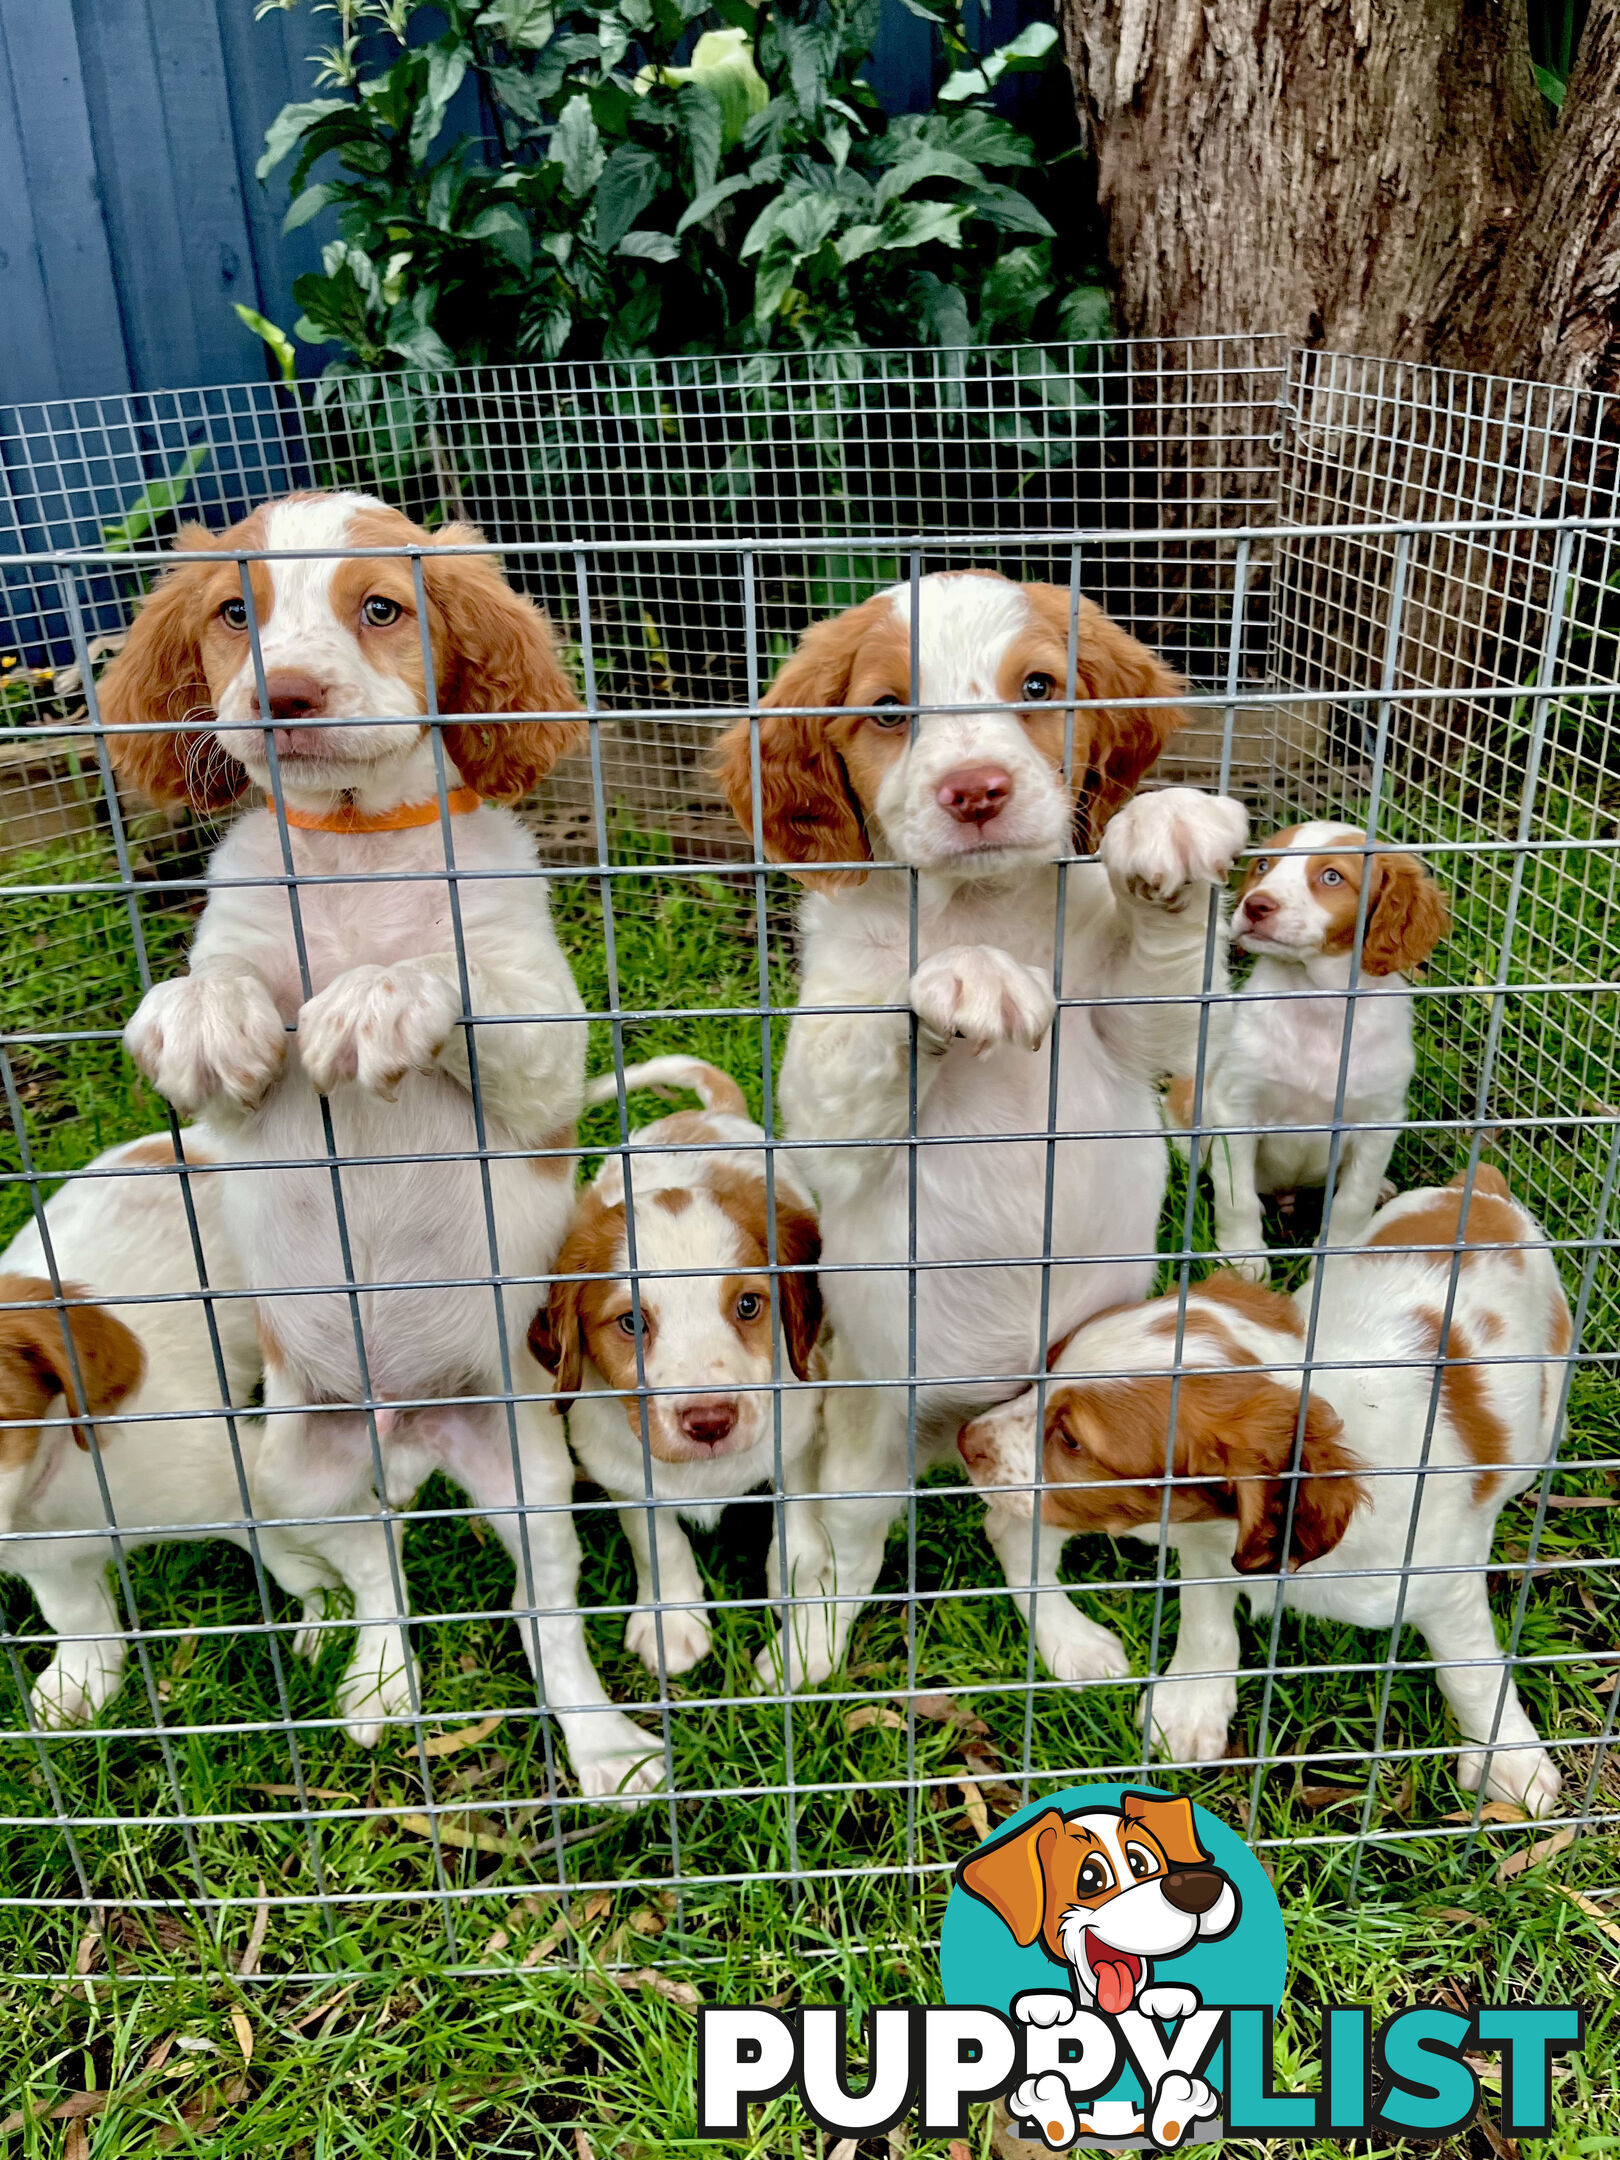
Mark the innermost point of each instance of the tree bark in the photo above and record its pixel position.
(1368, 175)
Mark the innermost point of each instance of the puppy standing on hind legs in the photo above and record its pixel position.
(380, 1033)
(978, 803)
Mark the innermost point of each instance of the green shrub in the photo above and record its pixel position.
(754, 195)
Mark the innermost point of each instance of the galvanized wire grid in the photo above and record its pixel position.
(1391, 591)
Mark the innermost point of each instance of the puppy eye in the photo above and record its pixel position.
(1141, 1862)
(627, 1323)
(1260, 865)
(889, 713)
(234, 615)
(1037, 688)
(1069, 1444)
(1094, 1876)
(379, 611)
(1332, 877)
(750, 1305)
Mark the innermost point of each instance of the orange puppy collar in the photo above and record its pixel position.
(459, 800)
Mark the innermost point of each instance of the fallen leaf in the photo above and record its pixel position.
(974, 1807)
(1485, 2067)
(1532, 1855)
(1326, 1796)
(449, 1833)
(583, 2148)
(314, 1792)
(957, 2150)
(1456, 1914)
(1589, 1604)
(845, 2149)
(88, 1955)
(84, 2103)
(1492, 1811)
(680, 1992)
(548, 1941)
(1583, 1500)
(255, 1943)
(946, 1710)
(242, 2026)
(872, 1714)
(596, 1906)
(158, 2057)
(644, 1921)
(1596, 1913)
(76, 2145)
(1505, 2148)
(452, 1743)
(498, 1941)
(327, 2003)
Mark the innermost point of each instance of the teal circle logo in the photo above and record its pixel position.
(1113, 1899)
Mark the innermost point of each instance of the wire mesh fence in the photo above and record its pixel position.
(1389, 591)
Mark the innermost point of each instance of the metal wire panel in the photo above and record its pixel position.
(1390, 592)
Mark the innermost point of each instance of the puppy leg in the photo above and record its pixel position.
(1515, 1766)
(319, 1465)
(1069, 1645)
(1363, 1159)
(799, 1555)
(610, 1754)
(1239, 1226)
(1196, 1700)
(864, 1452)
(88, 1664)
(679, 1606)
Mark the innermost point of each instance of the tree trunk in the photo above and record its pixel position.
(1370, 175)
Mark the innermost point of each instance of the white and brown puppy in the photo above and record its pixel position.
(348, 987)
(1100, 1460)
(1275, 1055)
(669, 1359)
(142, 1376)
(979, 798)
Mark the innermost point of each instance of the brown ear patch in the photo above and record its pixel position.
(1407, 917)
(742, 1196)
(36, 1365)
(1171, 1825)
(1009, 1876)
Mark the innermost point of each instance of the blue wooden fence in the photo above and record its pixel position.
(130, 218)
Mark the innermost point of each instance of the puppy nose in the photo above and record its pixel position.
(1192, 1890)
(709, 1421)
(1258, 906)
(972, 1444)
(293, 695)
(974, 794)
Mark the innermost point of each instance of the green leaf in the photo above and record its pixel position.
(276, 338)
(1015, 213)
(806, 222)
(706, 204)
(524, 25)
(1014, 286)
(1087, 314)
(924, 165)
(979, 135)
(412, 336)
(506, 232)
(310, 204)
(155, 501)
(1551, 86)
(859, 240)
(658, 247)
(521, 94)
(1026, 51)
(445, 69)
(630, 181)
(703, 124)
(916, 224)
(943, 311)
(289, 126)
(723, 64)
(1031, 46)
(339, 256)
(576, 145)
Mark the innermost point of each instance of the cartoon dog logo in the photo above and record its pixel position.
(1108, 1893)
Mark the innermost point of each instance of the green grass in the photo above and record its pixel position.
(394, 2056)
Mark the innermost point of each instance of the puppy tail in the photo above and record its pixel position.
(715, 1089)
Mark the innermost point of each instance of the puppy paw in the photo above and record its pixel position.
(369, 1698)
(373, 1025)
(1161, 848)
(72, 1689)
(687, 1640)
(203, 1038)
(1250, 1266)
(1168, 2002)
(1043, 2007)
(617, 1759)
(1071, 1647)
(1192, 1718)
(1179, 2103)
(1044, 2101)
(984, 996)
(1524, 1777)
(785, 1666)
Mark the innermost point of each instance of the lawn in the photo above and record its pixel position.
(348, 2034)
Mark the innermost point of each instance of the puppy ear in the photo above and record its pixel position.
(809, 812)
(798, 1245)
(1009, 1875)
(557, 1335)
(1171, 1824)
(109, 1357)
(500, 655)
(1257, 1446)
(1114, 747)
(1407, 919)
(156, 683)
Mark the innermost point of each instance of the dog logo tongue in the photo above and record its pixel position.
(1116, 1973)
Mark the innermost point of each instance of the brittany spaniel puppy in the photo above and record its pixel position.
(340, 998)
(977, 797)
(128, 1238)
(1275, 1054)
(680, 1339)
(1106, 1432)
